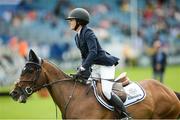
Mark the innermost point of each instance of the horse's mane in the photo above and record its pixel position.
(58, 68)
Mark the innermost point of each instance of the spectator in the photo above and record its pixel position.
(13, 43)
(158, 61)
(23, 48)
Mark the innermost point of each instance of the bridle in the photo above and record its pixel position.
(33, 87)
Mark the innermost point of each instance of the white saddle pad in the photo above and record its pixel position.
(135, 93)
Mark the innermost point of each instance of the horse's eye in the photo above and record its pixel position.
(30, 71)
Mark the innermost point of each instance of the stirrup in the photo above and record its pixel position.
(126, 116)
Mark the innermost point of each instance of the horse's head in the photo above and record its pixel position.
(31, 79)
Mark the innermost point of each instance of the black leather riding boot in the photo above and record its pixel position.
(119, 106)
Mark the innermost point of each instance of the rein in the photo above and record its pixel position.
(54, 82)
(70, 96)
(33, 87)
(38, 87)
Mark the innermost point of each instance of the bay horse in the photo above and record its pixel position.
(74, 101)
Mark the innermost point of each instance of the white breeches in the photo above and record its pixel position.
(105, 73)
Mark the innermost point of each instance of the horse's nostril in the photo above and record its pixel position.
(13, 93)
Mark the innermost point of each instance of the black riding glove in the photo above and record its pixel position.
(79, 72)
(82, 73)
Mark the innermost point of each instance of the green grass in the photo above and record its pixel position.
(35, 108)
(171, 76)
(44, 108)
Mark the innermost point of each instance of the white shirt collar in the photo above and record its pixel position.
(79, 31)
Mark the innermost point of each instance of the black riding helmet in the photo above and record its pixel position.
(79, 14)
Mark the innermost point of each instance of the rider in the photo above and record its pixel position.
(94, 57)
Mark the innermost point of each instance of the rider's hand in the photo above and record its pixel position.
(79, 72)
(81, 69)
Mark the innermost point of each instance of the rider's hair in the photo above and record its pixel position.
(81, 22)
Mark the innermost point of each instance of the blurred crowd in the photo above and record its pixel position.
(40, 25)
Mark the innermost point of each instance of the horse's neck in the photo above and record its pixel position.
(59, 91)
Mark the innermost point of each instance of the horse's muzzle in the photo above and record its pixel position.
(17, 96)
(14, 94)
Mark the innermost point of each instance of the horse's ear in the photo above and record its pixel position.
(33, 57)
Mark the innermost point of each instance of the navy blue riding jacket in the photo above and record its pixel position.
(91, 51)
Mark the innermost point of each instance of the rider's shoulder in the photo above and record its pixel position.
(88, 31)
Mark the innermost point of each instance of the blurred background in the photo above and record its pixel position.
(125, 28)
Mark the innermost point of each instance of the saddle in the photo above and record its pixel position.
(121, 81)
(122, 78)
(129, 92)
